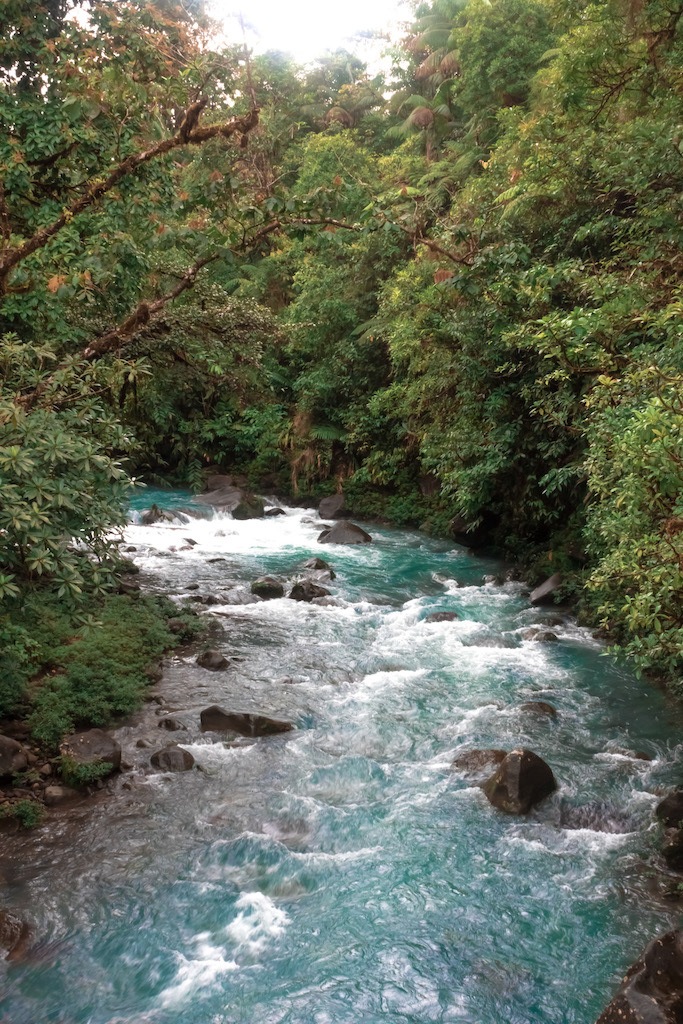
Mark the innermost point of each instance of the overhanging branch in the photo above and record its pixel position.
(188, 134)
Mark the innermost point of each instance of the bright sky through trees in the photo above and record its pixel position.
(307, 28)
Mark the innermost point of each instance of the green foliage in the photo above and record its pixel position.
(85, 670)
(76, 775)
(29, 813)
(63, 488)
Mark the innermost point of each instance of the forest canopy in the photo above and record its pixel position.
(452, 290)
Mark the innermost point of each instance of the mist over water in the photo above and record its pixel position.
(342, 872)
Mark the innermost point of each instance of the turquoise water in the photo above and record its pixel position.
(343, 873)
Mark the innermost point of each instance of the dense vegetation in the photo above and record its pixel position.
(454, 291)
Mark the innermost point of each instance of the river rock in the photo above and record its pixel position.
(226, 496)
(268, 588)
(670, 809)
(544, 594)
(216, 719)
(652, 989)
(154, 514)
(672, 849)
(250, 507)
(344, 533)
(15, 935)
(92, 747)
(331, 507)
(172, 724)
(213, 660)
(441, 617)
(541, 636)
(272, 512)
(57, 796)
(539, 707)
(522, 780)
(307, 590)
(474, 762)
(13, 757)
(172, 759)
(319, 565)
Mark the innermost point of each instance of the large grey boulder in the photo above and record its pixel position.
(331, 507)
(92, 747)
(13, 757)
(172, 759)
(344, 533)
(522, 780)
(651, 991)
(216, 719)
(225, 495)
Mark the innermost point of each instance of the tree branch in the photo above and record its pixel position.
(142, 314)
(119, 336)
(188, 135)
(415, 237)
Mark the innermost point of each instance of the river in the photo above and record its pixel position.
(343, 872)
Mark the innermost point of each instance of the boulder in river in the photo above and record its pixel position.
(213, 660)
(539, 707)
(172, 759)
(172, 724)
(271, 513)
(13, 757)
(307, 590)
(670, 809)
(541, 636)
(318, 571)
(154, 514)
(216, 719)
(474, 762)
(58, 796)
(331, 507)
(250, 507)
(224, 495)
(344, 533)
(268, 588)
(672, 848)
(522, 780)
(15, 935)
(545, 592)
(92, 747)
(441, 617)
(652, 989)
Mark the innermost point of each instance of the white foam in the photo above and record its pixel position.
(198, 974)
(258, 923)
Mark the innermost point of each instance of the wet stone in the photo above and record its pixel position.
(212, 660)
(539, 707)
(216, 719)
